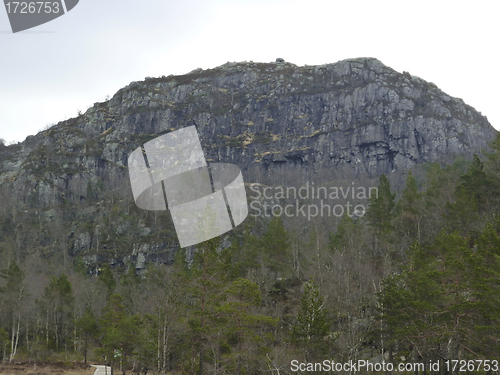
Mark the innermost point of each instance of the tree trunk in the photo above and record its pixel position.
(74, 331)
(201, 361)
(158, 353)
(15, 337)
(192, 358)
(165, 343)
(47, 328)
(12, 338)
(27, 337)
(56, 328)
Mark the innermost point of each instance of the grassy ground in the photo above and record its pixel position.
(45, 369)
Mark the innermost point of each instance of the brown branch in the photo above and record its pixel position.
(416, 346)
(468, 349)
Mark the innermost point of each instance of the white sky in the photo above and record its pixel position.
(50, 72)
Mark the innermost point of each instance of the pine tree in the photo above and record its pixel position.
(107, 278)
(409, 210)
(410, 306)
(380, 214)
(475, 183)
(243, 326)
(410, 198)
(205, 283)
(380, 211)
(472, 195)
(88, 328)
(348, 231)
(312, 325)
(119, 331)
(248, 254)
(484, 296)
(276, 247)
(462, 214)
(57, 304)
(445, 303)
(440, 188)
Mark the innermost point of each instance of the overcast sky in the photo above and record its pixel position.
(49, 73)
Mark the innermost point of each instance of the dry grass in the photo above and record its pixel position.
(45, 369)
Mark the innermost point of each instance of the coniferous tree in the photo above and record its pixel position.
(88, 329)
(244, 328)
(107, 278)
(380, 211)
(119, 331)
(410, 198)
(205, 281)
(312, 327)
(485, 283)
(476, 184)
(410, 304)
(472, 195)
(248, 254)
(276, 246)
(380, 214)
(57, 304)
(462, 214)
(409, 211)
(440, 189)
(348, 232)
(445, 303)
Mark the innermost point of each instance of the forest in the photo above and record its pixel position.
(415, 280)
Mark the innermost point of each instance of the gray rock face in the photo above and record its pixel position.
(281, 124)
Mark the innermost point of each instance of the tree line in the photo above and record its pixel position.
(415, 280)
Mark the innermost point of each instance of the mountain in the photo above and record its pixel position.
(65, 192)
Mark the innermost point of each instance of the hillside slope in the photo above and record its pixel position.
(65, 191)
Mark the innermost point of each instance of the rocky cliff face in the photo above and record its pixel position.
(66, 192)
